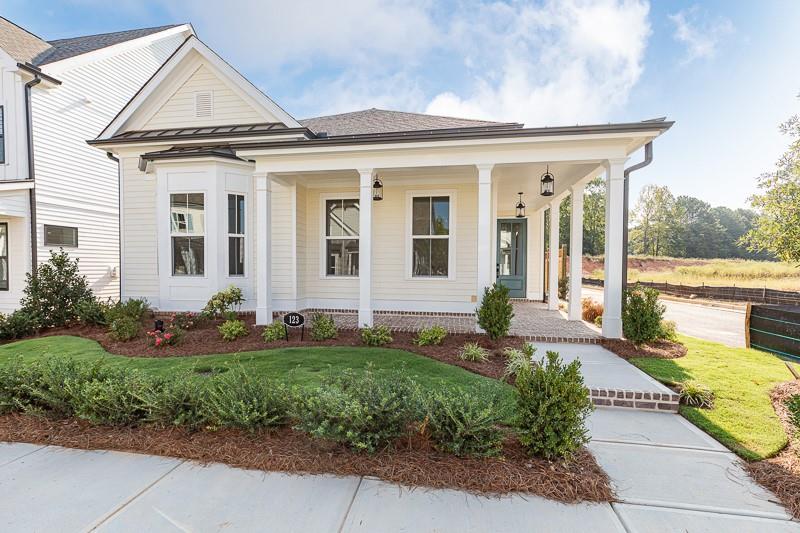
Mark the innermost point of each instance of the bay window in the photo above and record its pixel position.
(341, 237)
(430, 236)
(236, 234)
(187, 230)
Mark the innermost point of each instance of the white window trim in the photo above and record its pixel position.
(323, 238)
(187, 234)
(242, 235)
(451, 245)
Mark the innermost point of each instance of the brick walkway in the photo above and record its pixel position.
(531, 320)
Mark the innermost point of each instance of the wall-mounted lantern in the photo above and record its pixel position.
(548, 183)
(377, 189)
(520, 207)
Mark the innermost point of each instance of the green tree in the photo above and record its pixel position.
(653, 221)
(777, 228)
(696, 231)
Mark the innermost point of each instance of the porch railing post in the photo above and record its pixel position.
(576, 252)
(365, 247)
(612, 297)
(263, 188)
(552, 289)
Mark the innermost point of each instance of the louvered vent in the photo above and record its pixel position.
(203, 104)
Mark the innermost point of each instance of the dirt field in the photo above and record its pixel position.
(720, 272)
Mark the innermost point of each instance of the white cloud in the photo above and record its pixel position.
(700, 35)
(560, 63)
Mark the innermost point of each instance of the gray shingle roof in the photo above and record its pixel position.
(371, 121)
(75, 46)
(26, 47)
(19, 43)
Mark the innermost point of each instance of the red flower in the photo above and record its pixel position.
(168, 336)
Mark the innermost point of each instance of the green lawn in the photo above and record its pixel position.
(743, 418)
(295, 366)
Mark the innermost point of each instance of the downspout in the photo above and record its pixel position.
(119, 219)
(31, 173)
(648, 158)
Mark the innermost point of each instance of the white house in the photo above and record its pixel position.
(370, 211)
(56, 188)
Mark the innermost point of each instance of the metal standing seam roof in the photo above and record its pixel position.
(198, 132)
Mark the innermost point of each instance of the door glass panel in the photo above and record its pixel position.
(518, 255)
(505, 249)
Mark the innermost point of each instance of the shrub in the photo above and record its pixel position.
(124, 329)
(495, 312)
(42, 387)
(464, 422)
(239, 399)
(114, 398)
(669, 330)
(224, 301)
(518, 360)
(365, 411)
(793, 406)
(52, 296)
(598, 321)
(431, 335)
(590, 310)
(563, 287)
(552, 406)
(377, 335)
(14, 380)
(91, 312)
(230, 330)
(171, 336)
(133, 308)
(17, 325)
(472, 351)
(174, 401)
(274, 332)
(186, 321)
(322, 327)
(696, 394)
(642, 315)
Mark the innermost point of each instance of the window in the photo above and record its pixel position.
(430, 236)
(187, 227)
(236, 235)
(2, 135)
(341, 237)
(3, 256)
(60, 236)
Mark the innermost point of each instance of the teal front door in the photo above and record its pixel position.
(511, 255)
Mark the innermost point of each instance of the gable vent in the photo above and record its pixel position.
(203, 104)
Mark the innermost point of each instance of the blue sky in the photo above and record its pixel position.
(727, 72)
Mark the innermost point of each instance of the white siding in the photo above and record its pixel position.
(228, 107)
(77, 185)
(12, 91)
(283, 267)
(139, 233)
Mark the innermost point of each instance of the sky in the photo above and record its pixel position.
(728, 72)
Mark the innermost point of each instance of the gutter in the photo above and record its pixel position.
(119, 219)
(31, 171)
(648, 158)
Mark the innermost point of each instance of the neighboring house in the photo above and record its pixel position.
(374, 211)
(62, 191)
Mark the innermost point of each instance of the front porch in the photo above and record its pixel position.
(532, 321)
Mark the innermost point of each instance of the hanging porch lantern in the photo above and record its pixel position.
(377, 189)
(548, 183)
(520, 207)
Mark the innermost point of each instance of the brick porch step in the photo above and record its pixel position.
(631, 399)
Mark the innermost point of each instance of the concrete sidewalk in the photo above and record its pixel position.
(668, 474)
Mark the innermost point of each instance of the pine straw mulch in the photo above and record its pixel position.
(662, 349)
(414, 463)
(781, 474)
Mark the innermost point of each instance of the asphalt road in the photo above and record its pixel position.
(716, 324)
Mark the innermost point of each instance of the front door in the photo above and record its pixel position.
(511, 255)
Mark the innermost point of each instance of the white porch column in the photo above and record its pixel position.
(263, 183)
(576, 252)
(365, 248)
(612, 291)
(485, 259)
(552, 289)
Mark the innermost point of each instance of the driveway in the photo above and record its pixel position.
(668, 475)
(716, 324)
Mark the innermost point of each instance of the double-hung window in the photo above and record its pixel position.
(187, 229)
(3, 256)
(236, 235)
(341, 237)
(430, 236)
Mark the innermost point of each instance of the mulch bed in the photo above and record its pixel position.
(413, 463)
(781, 474)
(659, 350)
